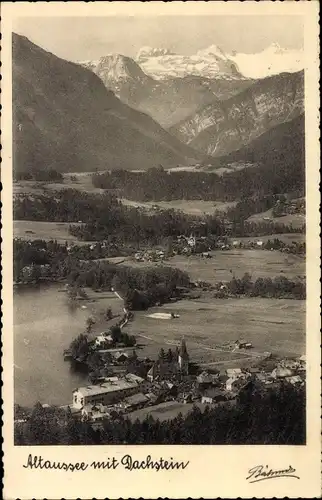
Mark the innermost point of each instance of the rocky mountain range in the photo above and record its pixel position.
(65, 118)
(211, 62)
(222, 127)
(171, 87)
(168, 100)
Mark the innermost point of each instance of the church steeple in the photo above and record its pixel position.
(183, 353)
(183, 358)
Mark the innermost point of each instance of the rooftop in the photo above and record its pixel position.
(111, 384)
(233, 371)
(213, 393)
(136, 399)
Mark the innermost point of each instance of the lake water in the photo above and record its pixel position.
(44, 326)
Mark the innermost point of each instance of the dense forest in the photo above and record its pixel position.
(261, 416)
(69, 205)
(157, 184)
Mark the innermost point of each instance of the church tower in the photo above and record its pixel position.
(183, 358)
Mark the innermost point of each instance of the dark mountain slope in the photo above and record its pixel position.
(278, 157)
(64, 118)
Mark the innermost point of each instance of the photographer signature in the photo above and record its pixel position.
(263, 472)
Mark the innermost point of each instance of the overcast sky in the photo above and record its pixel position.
(82, 38)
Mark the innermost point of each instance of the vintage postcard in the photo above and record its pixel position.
(160, 240)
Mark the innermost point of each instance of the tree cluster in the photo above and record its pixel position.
(157, 184)
(271, 416)
(140, 288)
(279, 287)
(50, 175)
(120, 337)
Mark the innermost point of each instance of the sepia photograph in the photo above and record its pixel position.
(159, 229)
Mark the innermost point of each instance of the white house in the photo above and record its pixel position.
(102, 340)
(233, 384)
(213, 395)
(281, 372)
(94, 412)
(295, 380)
(234, 372)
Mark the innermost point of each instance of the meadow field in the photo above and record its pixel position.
(39, 230)
(296, 220)
(287, 238)
(274, 325)
(207, 324)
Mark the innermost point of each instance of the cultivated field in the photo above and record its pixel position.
(192, 207)
(79, 181)
(258, 263)
(275, 325)
(28, 188)
(38, 230)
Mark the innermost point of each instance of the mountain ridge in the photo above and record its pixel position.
(167, 101)
(70, 121)
(221, 127)
(213, 62)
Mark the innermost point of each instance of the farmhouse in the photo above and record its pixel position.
(234, 372)
(134, 402)
(281, 372)
(103, 340)
(205, 380)
(113, 389)
(241, 344)
(94, 412)
(213, 395)
(233, 384)
(120, 357)
(294, 380)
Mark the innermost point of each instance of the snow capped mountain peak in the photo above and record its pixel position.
(145, 52)
(115, 70)
(212, 50)
(211, 62)
(270, 61)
